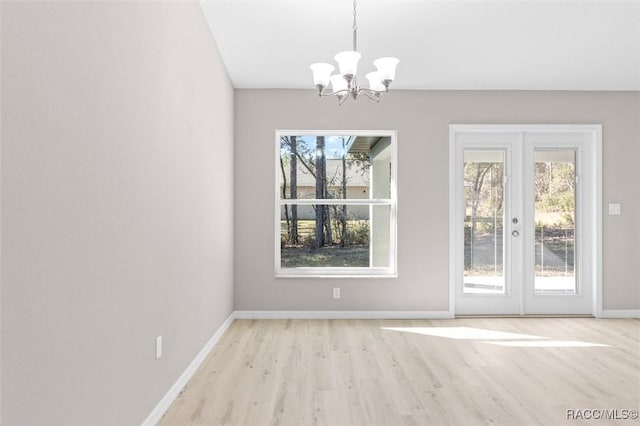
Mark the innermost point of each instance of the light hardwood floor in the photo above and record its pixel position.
(365, 372)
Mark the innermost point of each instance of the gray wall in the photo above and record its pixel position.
(422, 120)
(117, 196)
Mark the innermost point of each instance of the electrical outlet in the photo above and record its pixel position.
(158, 347)
(336, 292)
(615, 209)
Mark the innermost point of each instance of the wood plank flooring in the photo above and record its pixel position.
(396, 372)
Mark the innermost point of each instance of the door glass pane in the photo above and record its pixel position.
(484, 222)
(555, 200)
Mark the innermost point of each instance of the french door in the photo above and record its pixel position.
(524, 228)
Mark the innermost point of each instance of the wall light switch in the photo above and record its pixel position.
(336, 292)
(615, 209)
(158, 347)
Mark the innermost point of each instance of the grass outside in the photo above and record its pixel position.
(555, 258)
(355, 255)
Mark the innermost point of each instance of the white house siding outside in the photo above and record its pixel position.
(357, 188)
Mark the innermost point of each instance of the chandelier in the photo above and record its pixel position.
(345, 84)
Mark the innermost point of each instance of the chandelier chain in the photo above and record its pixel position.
(355, 27)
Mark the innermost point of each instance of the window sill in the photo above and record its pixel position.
(335, 274)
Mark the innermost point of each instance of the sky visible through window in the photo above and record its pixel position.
(333, 145)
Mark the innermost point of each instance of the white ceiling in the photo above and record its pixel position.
(441, 44)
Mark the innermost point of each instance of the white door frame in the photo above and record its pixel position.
(594, 209)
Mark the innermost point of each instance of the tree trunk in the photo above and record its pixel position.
(475, 201)
(284, 195)
(320, 190)
(328, 237)
(327, 226)
(343, 216)
(293, 172)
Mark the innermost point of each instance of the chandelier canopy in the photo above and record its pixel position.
(345, 84)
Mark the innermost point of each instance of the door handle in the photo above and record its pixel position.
(515, 233)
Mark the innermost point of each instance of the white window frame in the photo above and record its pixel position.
(338, 272)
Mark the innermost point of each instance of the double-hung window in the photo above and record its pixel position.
(335, 203)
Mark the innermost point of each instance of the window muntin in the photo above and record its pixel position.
(335, 203)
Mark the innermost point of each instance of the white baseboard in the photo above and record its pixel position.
(166, 401)
(343, 314)
(620, 313)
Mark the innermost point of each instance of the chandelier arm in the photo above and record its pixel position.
(373, 92)
(375, 98)
(339, 92)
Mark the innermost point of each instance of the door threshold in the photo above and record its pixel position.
(524, 316)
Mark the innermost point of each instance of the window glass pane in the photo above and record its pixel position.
(328, 167)
(326, 236)
(381, 249)
(555, 199)
(484, 222)
(353, 231)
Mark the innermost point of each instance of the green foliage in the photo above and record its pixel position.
(555, 192)
(358, 232)
(484, 189)
(486, 227)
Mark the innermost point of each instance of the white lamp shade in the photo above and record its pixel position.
(375, 81)
(348, 62)
(338, 83)
(387, 67)
(321, 73)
